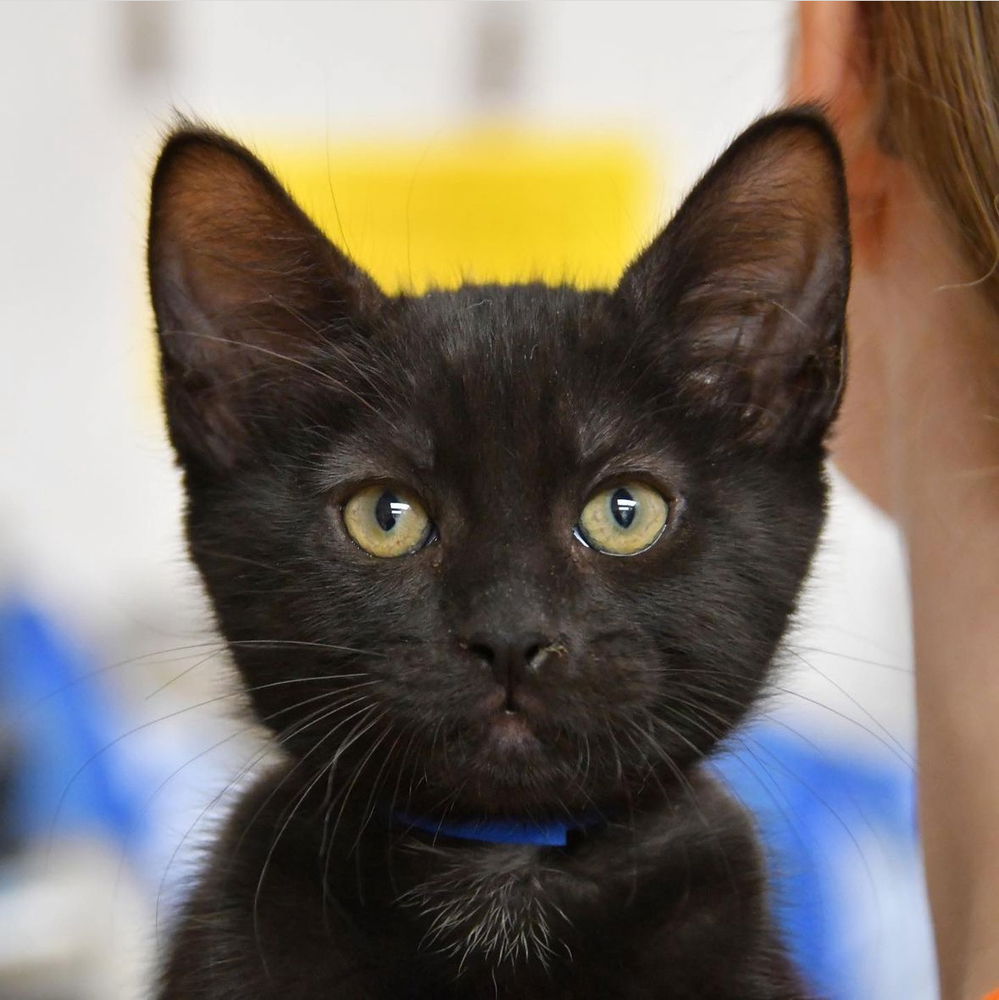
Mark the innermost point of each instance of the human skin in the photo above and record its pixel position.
(919, 434)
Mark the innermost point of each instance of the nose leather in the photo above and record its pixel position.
(511, 658)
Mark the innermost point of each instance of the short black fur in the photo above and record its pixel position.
(414, 684)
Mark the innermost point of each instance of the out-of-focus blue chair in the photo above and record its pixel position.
(59, 725)
(841, 837)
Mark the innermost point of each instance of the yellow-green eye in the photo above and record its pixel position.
(624, 520)
(387, 521)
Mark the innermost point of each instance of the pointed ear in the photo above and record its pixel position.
(746, 288)
(247, 292)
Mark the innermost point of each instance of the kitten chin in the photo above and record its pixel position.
(521, 553)
(509, 743)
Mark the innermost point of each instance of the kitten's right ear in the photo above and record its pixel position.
(246, 290)
(745, 290)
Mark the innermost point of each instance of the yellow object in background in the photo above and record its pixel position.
(490, 205)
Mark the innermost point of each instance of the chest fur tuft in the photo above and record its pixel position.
(494, 909)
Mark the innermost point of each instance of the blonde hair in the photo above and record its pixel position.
(936, 67)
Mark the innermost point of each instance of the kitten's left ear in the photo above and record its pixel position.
(746, 288)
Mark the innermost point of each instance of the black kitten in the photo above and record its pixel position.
(499, 567)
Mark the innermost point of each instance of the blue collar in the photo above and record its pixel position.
(552, 833)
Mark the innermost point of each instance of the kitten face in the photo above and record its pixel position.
(505, 664)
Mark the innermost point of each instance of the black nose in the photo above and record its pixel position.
(511, 658)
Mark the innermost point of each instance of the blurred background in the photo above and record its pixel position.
(434, 141)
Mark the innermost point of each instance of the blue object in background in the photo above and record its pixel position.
(841, 838)
(71, 777)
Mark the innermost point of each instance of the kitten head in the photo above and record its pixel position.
(507, 549)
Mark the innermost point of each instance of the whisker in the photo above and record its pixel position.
(298, 727)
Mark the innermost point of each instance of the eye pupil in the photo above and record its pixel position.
(388, 510)
(623, 506)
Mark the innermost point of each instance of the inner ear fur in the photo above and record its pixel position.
(243, 286)
(746, 287)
